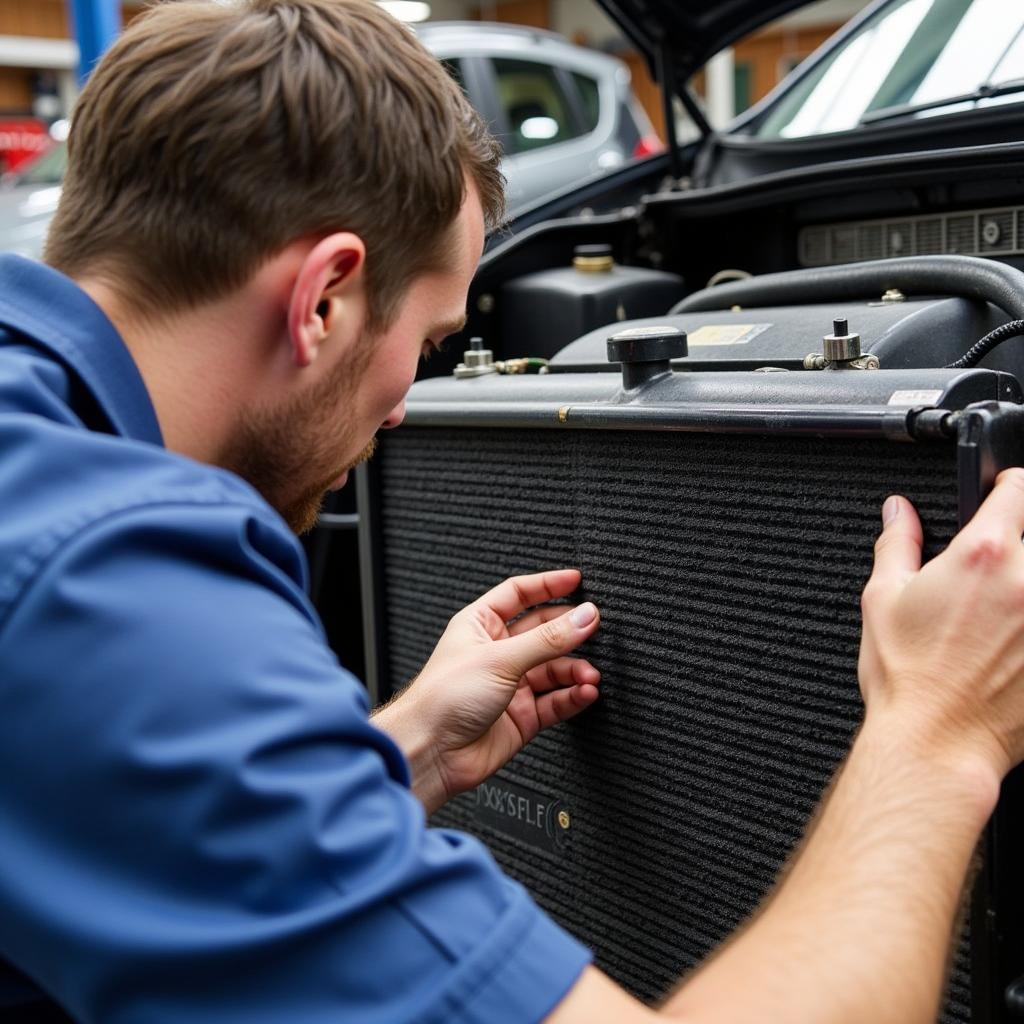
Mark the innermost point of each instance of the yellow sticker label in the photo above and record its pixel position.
(725, 334)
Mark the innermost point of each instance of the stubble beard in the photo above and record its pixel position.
(275, 449)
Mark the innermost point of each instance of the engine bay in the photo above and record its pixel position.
(669, 239)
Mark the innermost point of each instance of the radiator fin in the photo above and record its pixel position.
(728, 571)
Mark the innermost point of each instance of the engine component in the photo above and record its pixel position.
(912, 333)
(841, 351)
(645, 353)
(543, 311)
(984, 232)
(477, 360)
(977, 352)
(480, 361)
(967, 276)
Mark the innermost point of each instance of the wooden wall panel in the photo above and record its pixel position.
(534, 13)
(45, 18)
(770, 55)
(15, 90)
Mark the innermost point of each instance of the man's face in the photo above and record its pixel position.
(295, 453)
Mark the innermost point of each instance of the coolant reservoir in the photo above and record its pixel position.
(542, 312)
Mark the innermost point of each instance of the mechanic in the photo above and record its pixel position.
(271, 208)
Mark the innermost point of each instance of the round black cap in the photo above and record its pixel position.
(653, 344)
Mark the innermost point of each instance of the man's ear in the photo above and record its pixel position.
(328, 284)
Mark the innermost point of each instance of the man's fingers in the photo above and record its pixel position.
(515, 595)
(545, 613)
(549, 640)
(561, 672)
(560, 705)
(898, 548)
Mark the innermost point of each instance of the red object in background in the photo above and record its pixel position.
(21, 139)
(648, 146)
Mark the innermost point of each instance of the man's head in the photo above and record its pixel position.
(215, 137)
(296, 449)
(212, 134)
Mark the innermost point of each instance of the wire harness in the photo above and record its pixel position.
(980, 349)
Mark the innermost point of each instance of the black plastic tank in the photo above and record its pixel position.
(542, 312)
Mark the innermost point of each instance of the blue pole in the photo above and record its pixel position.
(96, 24)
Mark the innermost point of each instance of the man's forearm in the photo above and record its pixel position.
(859, 928)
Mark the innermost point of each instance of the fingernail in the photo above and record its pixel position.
(890, 510)
(583, 615)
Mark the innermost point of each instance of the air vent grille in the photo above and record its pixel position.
(991, 232)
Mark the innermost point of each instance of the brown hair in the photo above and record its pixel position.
(213, 134)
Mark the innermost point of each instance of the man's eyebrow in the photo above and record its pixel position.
(452, 326)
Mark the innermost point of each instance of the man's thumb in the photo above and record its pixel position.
(551, 639)
(898, 548)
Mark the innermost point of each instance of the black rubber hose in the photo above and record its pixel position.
(980, 349)
(966, 276)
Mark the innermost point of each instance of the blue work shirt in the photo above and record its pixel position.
(198, 823)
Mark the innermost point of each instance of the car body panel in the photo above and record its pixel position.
(543, 171)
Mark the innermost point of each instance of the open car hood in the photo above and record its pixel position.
(689, 32)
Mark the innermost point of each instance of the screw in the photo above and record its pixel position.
(563, 819)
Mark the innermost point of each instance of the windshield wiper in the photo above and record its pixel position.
(983, 92)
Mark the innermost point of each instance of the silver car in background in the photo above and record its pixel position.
(563, 113)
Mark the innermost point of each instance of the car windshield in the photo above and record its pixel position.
(47, 169)
(910, 59)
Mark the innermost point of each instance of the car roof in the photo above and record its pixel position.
(455, 38)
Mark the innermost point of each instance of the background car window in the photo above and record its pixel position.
(591, 100)
(914, 58)
(535, 104)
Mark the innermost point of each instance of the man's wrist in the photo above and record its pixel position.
(966, 767)
(410, 729)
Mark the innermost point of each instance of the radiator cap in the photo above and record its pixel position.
(645, 352)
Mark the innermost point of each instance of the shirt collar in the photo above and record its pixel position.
(53, 312)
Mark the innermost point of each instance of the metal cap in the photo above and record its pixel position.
(654, 344)
(841, 346)
(477, 360)
(593, 259)
(477, 355)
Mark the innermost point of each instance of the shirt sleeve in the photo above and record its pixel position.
(199, 823)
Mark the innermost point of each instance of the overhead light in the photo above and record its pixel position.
(406, 10)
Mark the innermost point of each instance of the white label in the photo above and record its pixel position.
(921, 397)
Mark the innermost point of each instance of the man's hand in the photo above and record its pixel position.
(860, 926)
(943, 647)
(499, 674)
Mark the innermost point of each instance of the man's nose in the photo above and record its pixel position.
(395, 417)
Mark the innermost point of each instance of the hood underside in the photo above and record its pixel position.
(689, 32)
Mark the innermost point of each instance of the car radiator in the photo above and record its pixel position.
(726, 548)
